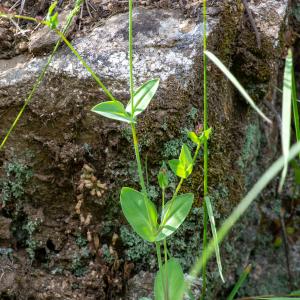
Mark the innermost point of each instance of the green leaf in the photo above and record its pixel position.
(204, 136)
(193, 137)
(286, 115)
(184, 166)
(235, 82)
(112, 110)
(51, 8)
(142, 97)
(215, 236)
(171, 271)
(52, 20)
(163, 178)
(140, 213)
(186, 157)
(174, 214)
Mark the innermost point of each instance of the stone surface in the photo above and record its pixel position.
(5, 228)
(44, 39)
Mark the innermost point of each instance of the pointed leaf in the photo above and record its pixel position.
(142, 97)
(215, 236)
(172, 275)
(174, 214)
(286, 115)
(178, 168)
(193, 137)
(185, 156)
(235, 82)
(140, 213)
(113, 110)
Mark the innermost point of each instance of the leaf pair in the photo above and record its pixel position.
(52, 19)
(141, 214)
(183, 166)
(115, 109)
(198, 140)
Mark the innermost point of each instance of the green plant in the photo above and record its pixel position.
(31, 244)
(12, 186)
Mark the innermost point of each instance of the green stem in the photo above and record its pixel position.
(158, 253)
(166, 264)
(130, 55)
(205, 125)
(42, 74)
(138, 159)
(295, 106)
(88, 68)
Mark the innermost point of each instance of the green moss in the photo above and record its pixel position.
(136, 249)
(12, 185)
(185, 244)
(80, 261)
(250, 153)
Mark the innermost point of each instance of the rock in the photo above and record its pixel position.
(141, 285)
(44, 39)
(5, 228)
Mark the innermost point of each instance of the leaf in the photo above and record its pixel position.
(184, 166)
(163, 178)
(204, 136)
(142, 97)
(193, 137)
(235, 82)
(112, 110)
(215, 236)
(286, 115)
(242, 207)
(171, 271)
(174, 214)
(140, 213)
(52, 20)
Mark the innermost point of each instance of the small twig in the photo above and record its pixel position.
(252, 22)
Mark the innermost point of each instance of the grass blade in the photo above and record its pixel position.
(295, 106)
(235, 82)
(242, 207)
(240, 282)
(286, 115)
(215, 236)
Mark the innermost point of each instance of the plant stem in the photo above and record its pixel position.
(88, 68)
(165, 245)
(158, 253)
(138, 159)
(130, 55)
(205, 125)
(42, 74)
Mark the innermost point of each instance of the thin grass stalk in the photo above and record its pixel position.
(295, 105)
(42, 75)
(239, 283)
(205, 150)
